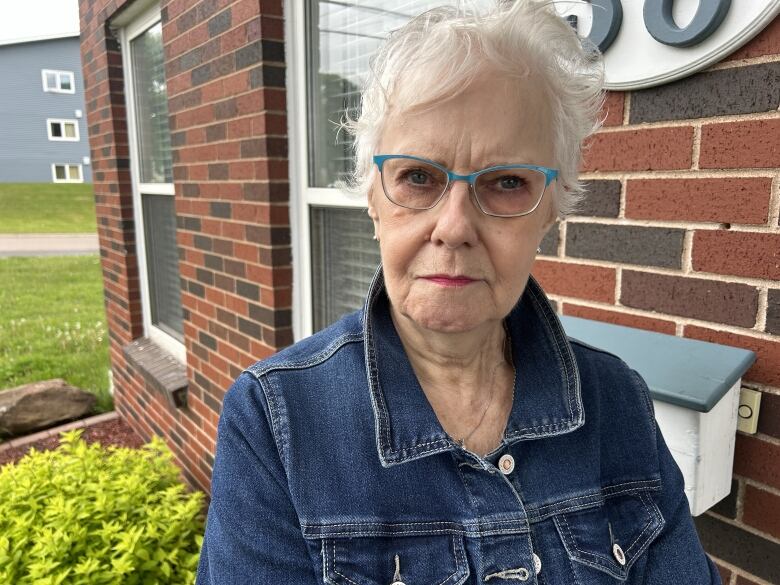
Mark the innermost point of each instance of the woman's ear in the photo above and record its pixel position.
(372, 213)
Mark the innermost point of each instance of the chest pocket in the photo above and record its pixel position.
(606, 544)
(410, 560)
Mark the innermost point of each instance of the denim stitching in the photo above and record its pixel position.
(543, 309)
(263, 368)
(335, 570)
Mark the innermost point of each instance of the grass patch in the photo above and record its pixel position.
(53, 323)
(47, 208)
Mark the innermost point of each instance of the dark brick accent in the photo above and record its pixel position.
(739, 547)
(267, 76)
(629, 244)
(769, 416)
(728, 505)
(190, 189)
(218, 172)
(601, 199)
(551, 240)
(271, 317)
(216, 132)
(202, 243)
(268, 236)
(197, 289)
(250, 328)
(699, 298)
(740, 90)
(220, 209)
(207, 340)
(204, 276)
(249, 55)
(213, 262)
(250, 291)
(226, 109)
(220, 23)
(191, 224)
(773, 312)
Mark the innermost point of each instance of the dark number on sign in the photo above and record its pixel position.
(659, 22)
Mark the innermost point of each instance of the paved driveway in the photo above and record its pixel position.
(48, 244)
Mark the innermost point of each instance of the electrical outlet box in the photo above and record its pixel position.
(749, 404)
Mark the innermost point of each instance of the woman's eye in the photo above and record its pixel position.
(417, 177)
(511, 182)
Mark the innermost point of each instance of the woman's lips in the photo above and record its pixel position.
(449, 280)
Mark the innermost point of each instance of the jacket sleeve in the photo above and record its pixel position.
(252, 530)
(676, 556)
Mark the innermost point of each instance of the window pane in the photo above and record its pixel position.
(59, 171)
(151, 107)
(66, 81)
(162, 263)
(344, 258)
(343, 35)
(51, 81)
(56, 130)
(73, 172)
(70, 130)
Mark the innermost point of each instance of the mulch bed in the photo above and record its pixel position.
(112, 432)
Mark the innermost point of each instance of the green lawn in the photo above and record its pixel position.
(47, 208)
(53, 324)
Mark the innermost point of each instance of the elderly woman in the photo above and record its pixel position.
(450, 432)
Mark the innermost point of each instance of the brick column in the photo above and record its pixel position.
(225, 73)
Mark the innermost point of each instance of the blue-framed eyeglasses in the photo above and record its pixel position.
(500, 191)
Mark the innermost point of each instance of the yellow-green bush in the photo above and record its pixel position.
(84, 514)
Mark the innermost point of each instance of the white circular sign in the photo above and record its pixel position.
(652, 42)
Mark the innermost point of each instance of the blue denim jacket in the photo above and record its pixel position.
(332, 467)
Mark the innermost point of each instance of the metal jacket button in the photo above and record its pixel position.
(537, 564)
(506, 464)
(620, 557)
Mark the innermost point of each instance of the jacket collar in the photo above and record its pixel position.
(547, 398)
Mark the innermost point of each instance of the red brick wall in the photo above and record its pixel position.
(225, 76)
(680, 235)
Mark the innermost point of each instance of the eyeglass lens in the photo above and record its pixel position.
(419, 185)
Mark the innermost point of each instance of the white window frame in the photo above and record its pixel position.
(303, 196)
(140, 24)
(67, 173)
(62, 122)
(60, 75)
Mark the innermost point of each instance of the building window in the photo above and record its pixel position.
(334, 253)
(63, 130)
(152, 177)
(66, 173)
(58, 81)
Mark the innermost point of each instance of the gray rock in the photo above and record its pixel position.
(40, 405)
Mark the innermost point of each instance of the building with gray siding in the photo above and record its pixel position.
(43, 129)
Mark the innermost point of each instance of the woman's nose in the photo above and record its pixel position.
(456, 217)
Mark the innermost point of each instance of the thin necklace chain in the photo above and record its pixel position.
(507, 355)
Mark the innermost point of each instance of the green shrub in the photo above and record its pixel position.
(85, 514)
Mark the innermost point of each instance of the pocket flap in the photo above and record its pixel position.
(612, 536)
(439, 559)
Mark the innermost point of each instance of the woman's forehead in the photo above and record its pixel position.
(495, 122)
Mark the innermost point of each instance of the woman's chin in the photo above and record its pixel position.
(449, 318)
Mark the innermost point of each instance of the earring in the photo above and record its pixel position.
(539, 250)
(375, 237)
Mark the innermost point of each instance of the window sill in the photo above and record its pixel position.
(160, 369)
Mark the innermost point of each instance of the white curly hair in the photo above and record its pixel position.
(437, 54)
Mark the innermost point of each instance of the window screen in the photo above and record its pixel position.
(151, 105)
(344, 258)
(162, 264)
